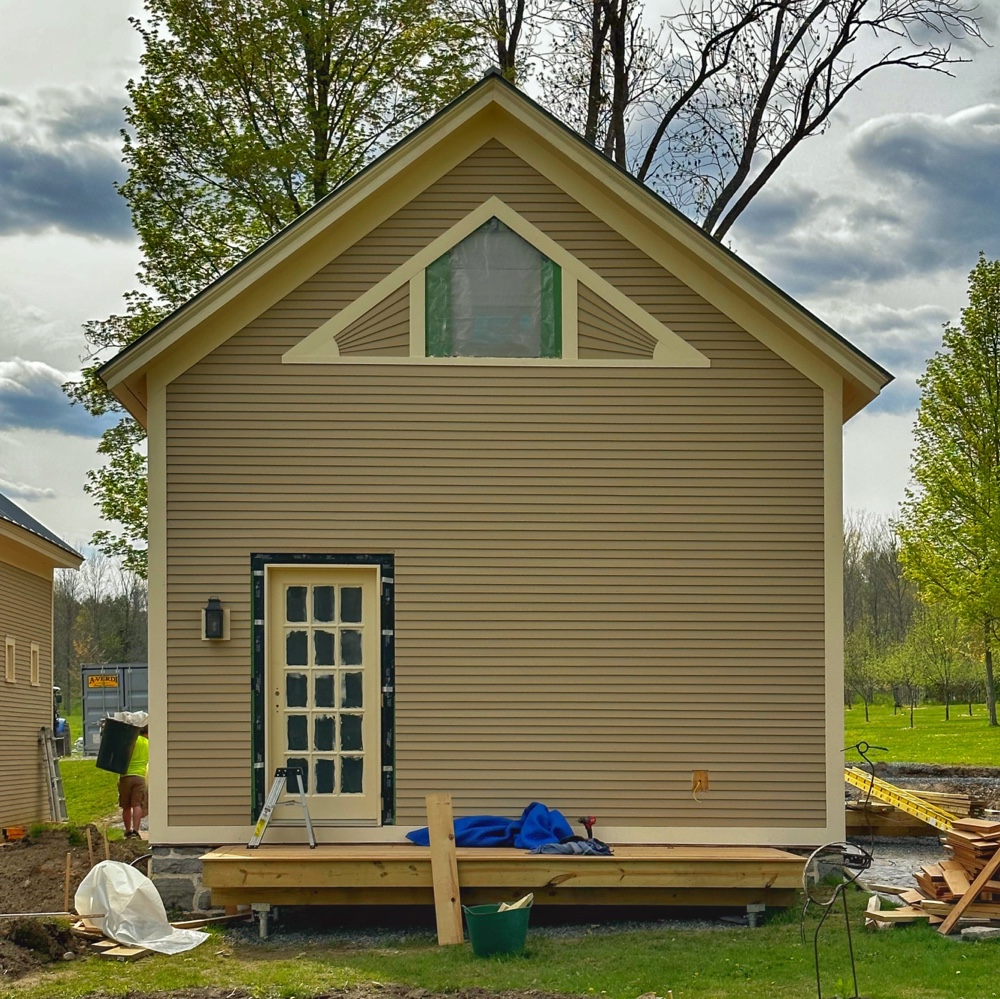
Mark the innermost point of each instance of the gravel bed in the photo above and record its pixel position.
(895, 860)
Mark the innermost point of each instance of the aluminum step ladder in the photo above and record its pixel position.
(57, 795)
(281, 776)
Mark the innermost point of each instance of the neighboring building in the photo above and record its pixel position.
(28, 555)
(507, 481)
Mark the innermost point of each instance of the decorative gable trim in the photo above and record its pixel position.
(321, 346)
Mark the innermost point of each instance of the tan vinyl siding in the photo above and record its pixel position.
(382, 331)
(605, 332)
(604, 578)
(25, 616)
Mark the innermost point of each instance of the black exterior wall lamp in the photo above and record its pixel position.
(214, 621)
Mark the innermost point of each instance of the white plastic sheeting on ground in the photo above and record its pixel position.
(134, 913)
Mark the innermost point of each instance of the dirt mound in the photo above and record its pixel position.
(33, 880)
(33, 871)
(27, 943)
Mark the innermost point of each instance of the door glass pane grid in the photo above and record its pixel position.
(323, 701)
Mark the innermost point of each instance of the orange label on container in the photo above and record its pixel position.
(102, 680)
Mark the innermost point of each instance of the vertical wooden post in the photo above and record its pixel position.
(90, 847)
(444, 869)
(69, 862)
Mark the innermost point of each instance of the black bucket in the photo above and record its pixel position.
(117, 743)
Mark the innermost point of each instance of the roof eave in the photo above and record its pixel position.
(61, 557)
(863, 377)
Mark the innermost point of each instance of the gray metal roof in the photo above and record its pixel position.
(11, 512)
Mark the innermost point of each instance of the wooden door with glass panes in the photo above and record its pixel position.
(323, 686)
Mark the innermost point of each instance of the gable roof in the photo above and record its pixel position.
(490, 103)
(44, 540)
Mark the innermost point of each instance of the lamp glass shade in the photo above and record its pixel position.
(214, 618)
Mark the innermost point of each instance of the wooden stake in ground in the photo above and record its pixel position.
(107, 849)
(444, 869)
(970, 896)
(90, 847)
(69, 864)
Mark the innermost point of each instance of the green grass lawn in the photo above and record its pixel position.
(908, 962)
(91, 794)
(932, 739)
(75, 719)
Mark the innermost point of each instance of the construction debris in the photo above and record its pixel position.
(109, 950)
(960, 892)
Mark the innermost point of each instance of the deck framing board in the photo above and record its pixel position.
(397, 874)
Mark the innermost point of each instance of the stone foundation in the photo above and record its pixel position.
(176, 872)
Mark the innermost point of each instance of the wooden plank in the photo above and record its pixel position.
(982, 827)
(575, 872)
(955, 877)
(444, 870)
(326, 852)
(125, 953)
(969, 897)
(904, 914)
(779, 898)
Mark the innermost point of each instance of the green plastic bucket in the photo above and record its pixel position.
(493, 932)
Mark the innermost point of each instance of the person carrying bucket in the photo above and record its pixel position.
(132, 793)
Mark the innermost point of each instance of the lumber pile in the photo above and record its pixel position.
(964, 890)
(958, 804)
(109, 950)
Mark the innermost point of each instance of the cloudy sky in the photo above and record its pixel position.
(874, 226)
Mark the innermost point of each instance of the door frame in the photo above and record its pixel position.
(387, 668)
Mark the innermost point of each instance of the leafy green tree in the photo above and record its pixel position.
(902, 669)
(863, 667)
(950, 523)
(248, 112)
(939, 642)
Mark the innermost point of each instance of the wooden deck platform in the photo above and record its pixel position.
(400, 874)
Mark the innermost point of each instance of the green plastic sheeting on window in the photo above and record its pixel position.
(437, 308)
(551, 309)
(467, 302)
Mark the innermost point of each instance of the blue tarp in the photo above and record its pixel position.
(537, 826)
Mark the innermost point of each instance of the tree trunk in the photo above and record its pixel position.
(991, 700)
(947, 702)
(866, 710)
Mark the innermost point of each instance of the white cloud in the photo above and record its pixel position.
(59, 163)
(917, 194)
(32, 397)
(24, 491)
(877, 450)
(55, 467)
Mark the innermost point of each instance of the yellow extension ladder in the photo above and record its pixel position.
(903, 800)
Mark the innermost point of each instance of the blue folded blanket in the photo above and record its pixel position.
(537, 826)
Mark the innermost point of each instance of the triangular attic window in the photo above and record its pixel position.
(493, 294)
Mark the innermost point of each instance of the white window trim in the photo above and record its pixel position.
(320, 346)
(36, 664)
(10, 659)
